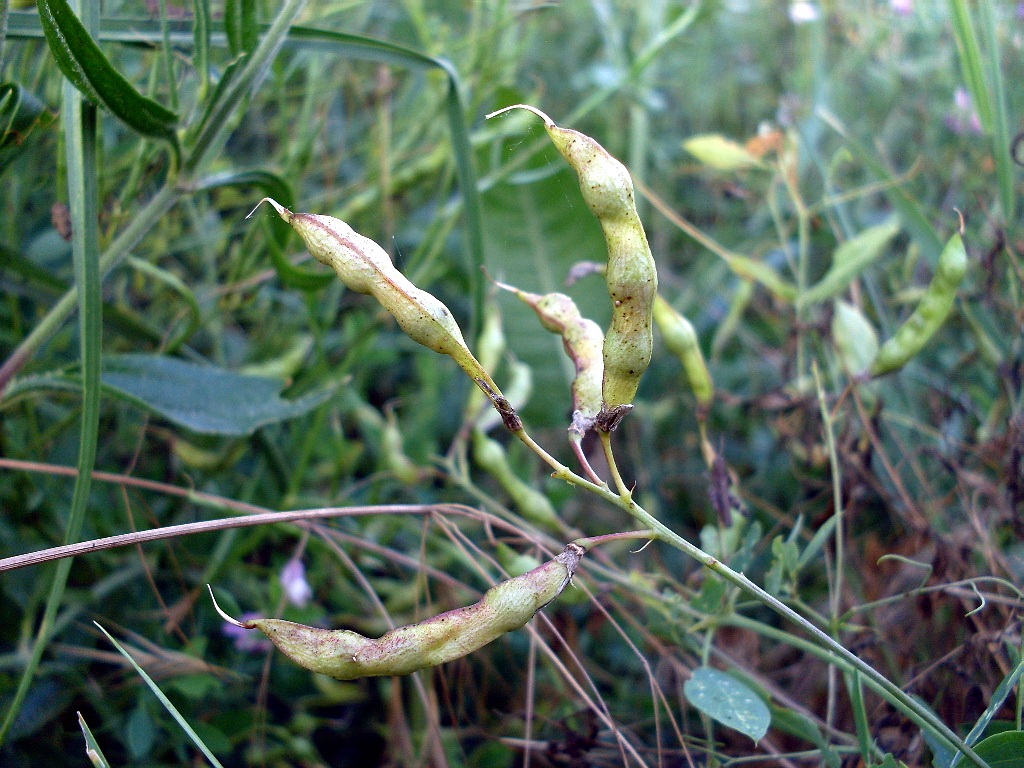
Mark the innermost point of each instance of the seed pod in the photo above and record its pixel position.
(631, 275)
(365, 267)
(347, 655)
(681, 340)
(583, 340)
(930, 313)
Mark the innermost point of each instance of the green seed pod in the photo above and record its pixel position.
(631, 275)
(681, 340)
(583, 342)
(365, 267)
(347, 655)
(930, 314)
(490, 456)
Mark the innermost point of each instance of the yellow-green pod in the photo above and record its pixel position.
(583, 342)
(930, 313)
(631, 275)
(347, 655)
(365, 267)
(681, 340)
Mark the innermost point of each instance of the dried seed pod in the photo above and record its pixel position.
(583, 342)
(365, 267)
(631, 275)
(930, 313)
(681, 340)
(347, 655)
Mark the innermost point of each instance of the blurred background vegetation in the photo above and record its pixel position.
(238, 376)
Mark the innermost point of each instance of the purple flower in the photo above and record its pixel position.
(902, 7)
(963, 117)
(296, 588)
(246, 640)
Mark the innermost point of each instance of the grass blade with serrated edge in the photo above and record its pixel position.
(164, 700)
(80, 129)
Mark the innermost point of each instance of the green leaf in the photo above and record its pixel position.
(203, 398)
(85, 65)
(849, 260)
(725, 699)
(720, 153)
(999, 696)
(272, 185)
(1004, 750)
(240, 26)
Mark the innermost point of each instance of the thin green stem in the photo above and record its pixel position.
(917, 712)
(606, 444)
(80, 130)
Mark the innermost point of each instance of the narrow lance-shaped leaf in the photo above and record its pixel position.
(84, 64)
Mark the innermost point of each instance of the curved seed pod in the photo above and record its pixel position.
(631, 275)
(365, 267)
(681, 340)
(347, 655)
(583, 342)
(930, 313)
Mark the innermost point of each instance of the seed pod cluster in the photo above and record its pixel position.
(365, 267)
(681, 340)
(631, 275)
(930, 313)
(583, 342)
(347, 655)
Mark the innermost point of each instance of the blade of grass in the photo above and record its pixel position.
(92, 747)
(988, 94)
(80, 130)
(1001, 140)
(164, 700)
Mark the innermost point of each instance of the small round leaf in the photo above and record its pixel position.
(729, 701)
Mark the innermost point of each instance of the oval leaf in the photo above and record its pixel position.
(1004, 750)
(84, 64)
(729, 701)
(203, 398)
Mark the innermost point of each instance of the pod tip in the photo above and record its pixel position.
(547, 120)
(223, 615)
(283, 212)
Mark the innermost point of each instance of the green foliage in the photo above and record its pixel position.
(213, 371)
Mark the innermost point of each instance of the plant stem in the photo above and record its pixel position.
(917, 712)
